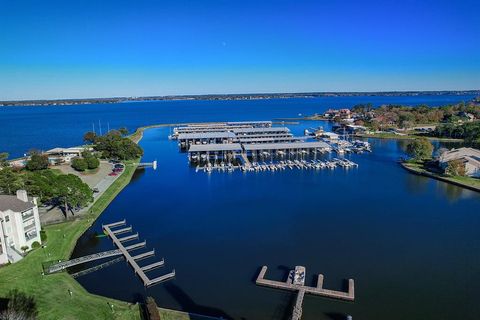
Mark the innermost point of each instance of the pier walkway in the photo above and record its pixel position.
(132, 260)
(73, 262)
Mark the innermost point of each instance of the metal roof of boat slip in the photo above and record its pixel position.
(260, 130)
(206, 135)
(251, 122)
(215, 147)
(210, 128)
(267, 139)
(283, 146)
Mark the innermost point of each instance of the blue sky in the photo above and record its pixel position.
(76, 49)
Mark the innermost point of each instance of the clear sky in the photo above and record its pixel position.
(104, 48)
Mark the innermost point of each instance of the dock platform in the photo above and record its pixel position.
(318, 290)
(132, 260)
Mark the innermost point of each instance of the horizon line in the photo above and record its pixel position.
(248, 94)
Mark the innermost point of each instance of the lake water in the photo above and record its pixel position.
(43, 128)
(410, 243)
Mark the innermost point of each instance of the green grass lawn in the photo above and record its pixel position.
(51, 292)
(468, 181)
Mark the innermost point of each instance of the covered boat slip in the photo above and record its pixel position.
(188, 139)
(221, 126)
(257, 131)
(224, 151)
(308, 146)
(279, 139)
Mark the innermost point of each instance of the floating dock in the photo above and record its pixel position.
(132, 260)
(295, 282)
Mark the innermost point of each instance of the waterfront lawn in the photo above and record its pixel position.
(51, 292)
(422, 167)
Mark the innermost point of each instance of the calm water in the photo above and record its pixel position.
(24, 128)
(410, 243)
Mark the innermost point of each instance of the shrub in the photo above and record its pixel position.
(35, 245)
(92, 162)
(21, 306)
(43, 235)
(37, 162)
(79, 164)
(24, 248)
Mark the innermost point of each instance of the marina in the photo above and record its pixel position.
(263, 148)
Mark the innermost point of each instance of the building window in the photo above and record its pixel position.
(7, 218)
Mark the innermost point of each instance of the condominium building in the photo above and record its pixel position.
(19, 225)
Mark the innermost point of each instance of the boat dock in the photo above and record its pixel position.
(295, 283)
(132, 260)
(246, 145)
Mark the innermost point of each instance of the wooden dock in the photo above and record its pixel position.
(132, 260)
(302, 290)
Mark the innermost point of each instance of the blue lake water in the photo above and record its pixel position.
(410, 243)
(24, 128)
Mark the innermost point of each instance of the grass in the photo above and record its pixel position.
(468, 182)
(52, 292)
(386, 135)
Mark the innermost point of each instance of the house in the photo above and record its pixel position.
(469, 156)
(61, 155)
(19, 225)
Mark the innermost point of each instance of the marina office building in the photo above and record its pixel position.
(19, 225)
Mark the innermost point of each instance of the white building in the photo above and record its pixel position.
(469, 156)
(60, 155)
(19, 225)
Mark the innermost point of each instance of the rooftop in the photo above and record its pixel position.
(215, 147)
(206, 135)
(284, 146)
(460, 153)
(8, 202)
(260, 130)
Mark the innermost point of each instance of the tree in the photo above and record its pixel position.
(420, 149)
(3, 159)
(72, 192)
(113, 145)
(123, 131)
(37, 162)
(79, 164)
(10, 181)
(20, 306)
(89, 137)
(40, 184)
(456, 168)
(92, 162)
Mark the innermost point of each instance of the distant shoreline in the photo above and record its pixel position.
(212, 97)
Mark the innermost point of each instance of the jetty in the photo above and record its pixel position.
(296, 282)
(133, 260)
(123, 252)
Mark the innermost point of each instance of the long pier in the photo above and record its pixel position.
(302, 289)
(132, 260)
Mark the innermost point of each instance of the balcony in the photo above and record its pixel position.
(27, 215)
(30, 235)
